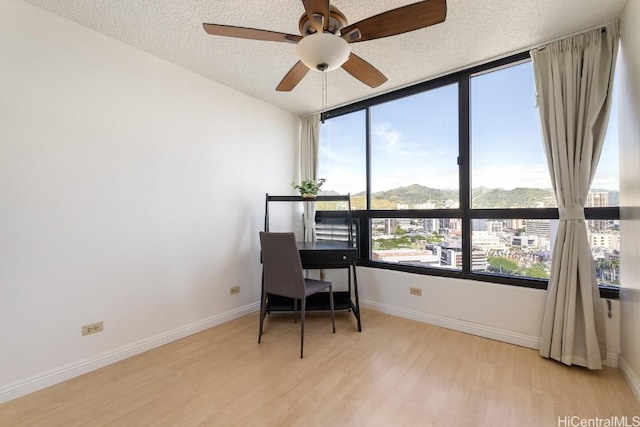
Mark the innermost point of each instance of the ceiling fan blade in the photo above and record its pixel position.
(293, 77)
(250, 33)
(363, 71)
(401, 20)
(317, 9)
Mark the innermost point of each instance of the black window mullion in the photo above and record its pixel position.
(365, 224)
(368, 155)
(464, 169)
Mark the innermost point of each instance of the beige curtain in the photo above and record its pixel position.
(574, 82)
(309, 140)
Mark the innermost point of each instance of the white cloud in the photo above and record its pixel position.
(512, 176)
(606, 180)
(391, 138)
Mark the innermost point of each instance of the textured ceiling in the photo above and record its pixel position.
(474, 31)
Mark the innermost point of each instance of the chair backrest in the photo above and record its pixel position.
(281, 265)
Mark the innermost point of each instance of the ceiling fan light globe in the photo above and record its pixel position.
(323, 50)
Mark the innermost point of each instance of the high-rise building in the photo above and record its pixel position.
(494, 226)
(605, 240)
(597, 199)
(515, 223)
(486, 241)
(538, 227)
(451, 223)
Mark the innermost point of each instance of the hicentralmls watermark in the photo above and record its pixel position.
(614, 421)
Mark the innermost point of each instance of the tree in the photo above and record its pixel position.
(417, 238)
(394, 243)
(500, 264)
(537, 271)
(435, 238)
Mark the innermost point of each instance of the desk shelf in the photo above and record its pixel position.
(317, 302)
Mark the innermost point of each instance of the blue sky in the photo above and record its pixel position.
(415, 140)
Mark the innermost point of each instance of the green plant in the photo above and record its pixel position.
(309, 187)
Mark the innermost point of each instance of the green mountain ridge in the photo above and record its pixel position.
(482, 197)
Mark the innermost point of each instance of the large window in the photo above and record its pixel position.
(414, 151)
(515, 247)
(508, 164)
(342, 158)
(450, 178)
(421, 242)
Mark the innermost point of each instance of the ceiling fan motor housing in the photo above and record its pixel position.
(337, 20)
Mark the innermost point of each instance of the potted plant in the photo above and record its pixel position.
(309, 188)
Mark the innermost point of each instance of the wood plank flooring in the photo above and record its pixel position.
(397, 372)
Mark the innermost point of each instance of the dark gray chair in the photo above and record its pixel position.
(283, 276)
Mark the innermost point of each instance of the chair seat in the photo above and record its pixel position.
(313, 286)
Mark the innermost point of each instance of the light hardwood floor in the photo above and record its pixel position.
(397, 372)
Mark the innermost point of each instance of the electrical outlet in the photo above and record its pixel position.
(415, 291)
(234, 290)
(92, 328)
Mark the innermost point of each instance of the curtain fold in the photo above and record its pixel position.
(574, 82)
(309, 139)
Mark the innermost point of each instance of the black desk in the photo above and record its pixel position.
(326, 255)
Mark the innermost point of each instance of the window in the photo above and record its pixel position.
(508, 164)
(342, 159)
(455, 179)
(515, 247)
(422, 242)
(414, 151)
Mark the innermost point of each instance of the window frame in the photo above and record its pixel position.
(465, 211)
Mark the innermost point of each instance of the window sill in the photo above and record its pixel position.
(609, 292)
(606, 291)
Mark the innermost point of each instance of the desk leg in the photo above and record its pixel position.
(355, 290)
(262, 289)
(263, 302)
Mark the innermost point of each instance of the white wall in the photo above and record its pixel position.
(629, 134)
(131, 191)
(506, 313)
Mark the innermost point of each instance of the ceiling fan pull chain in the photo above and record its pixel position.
(324, 92)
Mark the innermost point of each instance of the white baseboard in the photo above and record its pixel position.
(470, 328)
(457, 325)
(611, 360)
(55, 376)
(631, 376)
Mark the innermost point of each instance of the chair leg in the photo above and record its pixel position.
(333, 315)
(304, 303)
(263, 313)
(295, 310)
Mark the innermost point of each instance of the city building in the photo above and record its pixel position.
(525, 241)
(538, 227)
(605, 240)
(487, 241)
(515, 224)
(596, 200)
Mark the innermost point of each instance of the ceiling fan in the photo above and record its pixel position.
(325, 37)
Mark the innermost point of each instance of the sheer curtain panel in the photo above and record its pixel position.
(309, 139)
(574, 83)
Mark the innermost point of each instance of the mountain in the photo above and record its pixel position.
(486, 198)
(415, 194)
(482, 197)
